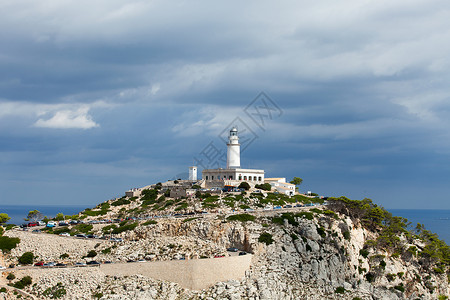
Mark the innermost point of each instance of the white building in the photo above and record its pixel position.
(233, 175)
(281, 185)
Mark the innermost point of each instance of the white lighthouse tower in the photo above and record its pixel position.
(233, 150)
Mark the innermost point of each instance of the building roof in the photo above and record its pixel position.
(270, 179)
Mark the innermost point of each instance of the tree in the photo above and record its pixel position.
(296, 181)
(4, 218)
(34, 216)
(244, 185)
(59, 217)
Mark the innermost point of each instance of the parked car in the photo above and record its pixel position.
(2, 268)
(242, 253)
(80, 264)
(39, 264)
(233, 249)
(60, 265)
(92, 262)
(64, 234)
(107, 262)
(219, 256)
(49, 264)
(32, 224)
(81, 235)
(51, 224)
(42, 223)
(36, 231)
(277, 207)
(63, 224)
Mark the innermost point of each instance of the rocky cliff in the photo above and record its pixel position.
(297, 254)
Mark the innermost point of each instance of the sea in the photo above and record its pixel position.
(437, 221)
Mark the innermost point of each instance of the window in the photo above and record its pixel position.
(254, 178)
(206, 177)
(212, 177)
(245, 177)
(259, 178)
(240, 177)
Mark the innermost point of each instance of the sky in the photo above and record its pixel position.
(97, 97)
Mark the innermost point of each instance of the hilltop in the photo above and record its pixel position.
(299, 247)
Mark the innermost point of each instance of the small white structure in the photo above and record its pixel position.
(233, 175)
(281, 185)
(193, 173)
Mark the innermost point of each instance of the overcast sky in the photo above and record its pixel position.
(97, 97)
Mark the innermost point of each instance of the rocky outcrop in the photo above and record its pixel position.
(316, 258)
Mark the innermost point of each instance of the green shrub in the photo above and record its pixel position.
(370, 277)
(241, 217)
(364, 253)
(382, 264)
(22, 283)
(11, 276)
(305, 214)
(399, 288)
(121, 201)
(150, 222)
(3, 290)
(266, 238)
(321, 231)
(109, 228)
(64, 255)
(189, 219)
(26, 258)
(340, 290)
(7, 243)
(106, 250)
(92, 253)
(294, 237)
(346, 235)
(125, 227)
(55, 292)
(84, 228)
(264, 186)
(308, 247)
(97, 295)
(244, 185)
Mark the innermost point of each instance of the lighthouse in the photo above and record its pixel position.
(233, 150)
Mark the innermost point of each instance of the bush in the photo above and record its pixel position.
(22, 283)
(346, 235)
(399, 288)
(121, 201)
(125, 227)
(11, 276)
(189, 219)
(150, 222)
(321, 232)
(64, 255)
(370, 277)
(364, 253)
(26, 258)
(7, 243)
(340, 290)
(264, 186)
(55, 292)
(265, 238)
(106, 250)
(3, 290)
(241, 217)
(244, 185)
(92, 253)
(84, 228)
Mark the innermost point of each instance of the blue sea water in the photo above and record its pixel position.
(17, 213)
(437, 221)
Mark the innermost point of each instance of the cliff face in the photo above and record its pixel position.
(306, 256)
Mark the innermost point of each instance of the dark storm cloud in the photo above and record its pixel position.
(123, 94)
